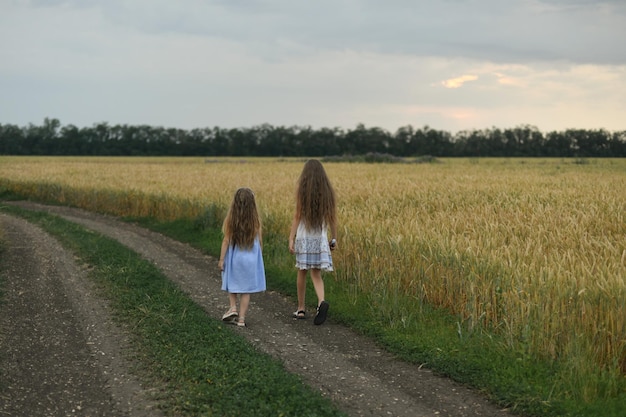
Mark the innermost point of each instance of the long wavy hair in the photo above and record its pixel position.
(242, 223)
(315, 197)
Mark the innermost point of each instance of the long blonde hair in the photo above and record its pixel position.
(315, 197)
(242, 223)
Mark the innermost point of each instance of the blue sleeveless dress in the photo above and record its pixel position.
(244, 270)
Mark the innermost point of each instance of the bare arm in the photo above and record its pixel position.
(225, 243)
(292, 233)
(333, 234)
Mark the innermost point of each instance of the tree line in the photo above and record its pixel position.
(102, 139)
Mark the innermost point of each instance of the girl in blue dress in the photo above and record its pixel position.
(315, 215)
(241, 257)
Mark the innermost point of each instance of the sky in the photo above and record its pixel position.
(452, 65)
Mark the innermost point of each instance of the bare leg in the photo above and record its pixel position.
(232, 298)
(318, 284)
(244, 302)
(232, 310)
(301, 286)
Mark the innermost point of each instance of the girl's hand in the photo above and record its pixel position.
(333, 244)
(220, 265)
(292, 248)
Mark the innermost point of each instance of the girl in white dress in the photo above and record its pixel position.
(241, 257)
(315, 215)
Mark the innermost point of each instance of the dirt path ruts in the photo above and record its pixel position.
(60, 354)
(357, 375)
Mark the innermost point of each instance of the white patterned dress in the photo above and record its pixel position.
(312, 249)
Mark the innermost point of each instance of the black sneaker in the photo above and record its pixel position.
(322, 311)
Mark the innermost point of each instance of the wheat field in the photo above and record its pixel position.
(534, 249)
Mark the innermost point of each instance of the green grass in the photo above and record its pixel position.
(200, 366)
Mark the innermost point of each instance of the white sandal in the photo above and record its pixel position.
(230, 315)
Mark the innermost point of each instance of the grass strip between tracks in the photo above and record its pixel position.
(198, 365)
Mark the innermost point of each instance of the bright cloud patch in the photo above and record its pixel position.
(458, 81)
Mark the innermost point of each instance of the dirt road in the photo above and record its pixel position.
(61, 354)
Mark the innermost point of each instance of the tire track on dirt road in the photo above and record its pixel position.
(60, 353)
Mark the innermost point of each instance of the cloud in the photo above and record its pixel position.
(458, 81)
(503, 32)
(195, 63)
(515, 31)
